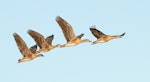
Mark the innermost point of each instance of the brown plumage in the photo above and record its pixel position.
(101, 37)
(28, 54)
(48, 39)
(44, 44)
(33, 49)
(69, 34)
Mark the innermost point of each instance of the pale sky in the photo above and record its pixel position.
(120, 60)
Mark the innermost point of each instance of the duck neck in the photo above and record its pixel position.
(85, 40)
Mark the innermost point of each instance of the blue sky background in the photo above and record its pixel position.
(121, 60)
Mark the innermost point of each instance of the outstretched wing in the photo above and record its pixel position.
(49, 39)
(21, 45)
(66, 28)
(98, 34)
(38, 38)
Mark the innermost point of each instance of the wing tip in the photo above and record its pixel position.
(35, 45)
(93, 27)
(52, 35)
(29, 30)
(58, 18)
(82, 33)
(15, 34)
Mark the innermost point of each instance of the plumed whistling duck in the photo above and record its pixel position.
(101, 37)
(44, 44)
(69, 34)
(28, 54)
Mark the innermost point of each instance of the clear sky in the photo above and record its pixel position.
(121, 60)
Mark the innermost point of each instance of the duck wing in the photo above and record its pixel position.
(21, 45)
(33, 49)
(98, 34)
(66, 28)
(49, 39)
(38, 38)
(80, 36)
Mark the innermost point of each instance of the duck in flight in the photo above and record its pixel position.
(101, 37)
(44, 44)
(69, 34)
(27, 53)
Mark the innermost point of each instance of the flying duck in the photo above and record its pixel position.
(101, 37)
(69, 34)
(27, 53)
(44, 44)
